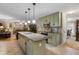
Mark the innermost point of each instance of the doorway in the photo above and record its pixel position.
(71, 28)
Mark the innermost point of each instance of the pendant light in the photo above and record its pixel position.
(26, 23)
(34, 21)
(28, 16)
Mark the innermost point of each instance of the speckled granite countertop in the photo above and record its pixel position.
(33, 36)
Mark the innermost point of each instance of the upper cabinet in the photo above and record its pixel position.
(52, 24)
(48, 19)
(55, 19)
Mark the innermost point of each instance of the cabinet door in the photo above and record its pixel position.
(29, 50)
(24, 45)
(22, 42)
(51, 20)
(38, 47)
(49, 38)
(56, 19)
(54, 39)
(41, 23)
(58, 39)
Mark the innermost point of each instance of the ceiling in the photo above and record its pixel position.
(17, 10)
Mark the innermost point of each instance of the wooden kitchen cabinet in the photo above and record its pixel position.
(22, 42)
(54, 39)
(77, 30)
(35, 48)
(32, 44)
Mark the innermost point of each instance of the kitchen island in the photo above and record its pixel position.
(32, 43)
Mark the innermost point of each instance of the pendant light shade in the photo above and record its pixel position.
(34, 21)
(28, 16)
(25, 11)
(28, 21)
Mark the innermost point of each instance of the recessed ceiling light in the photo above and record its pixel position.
(69, 19)
(71, 12)
(20, 23)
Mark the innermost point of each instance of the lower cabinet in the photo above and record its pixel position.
(54, 39)
(35, 47)
(31, 47)
(22, 42)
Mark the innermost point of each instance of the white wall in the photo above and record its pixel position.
(64, 32)
(6, 20)
(71, 24)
